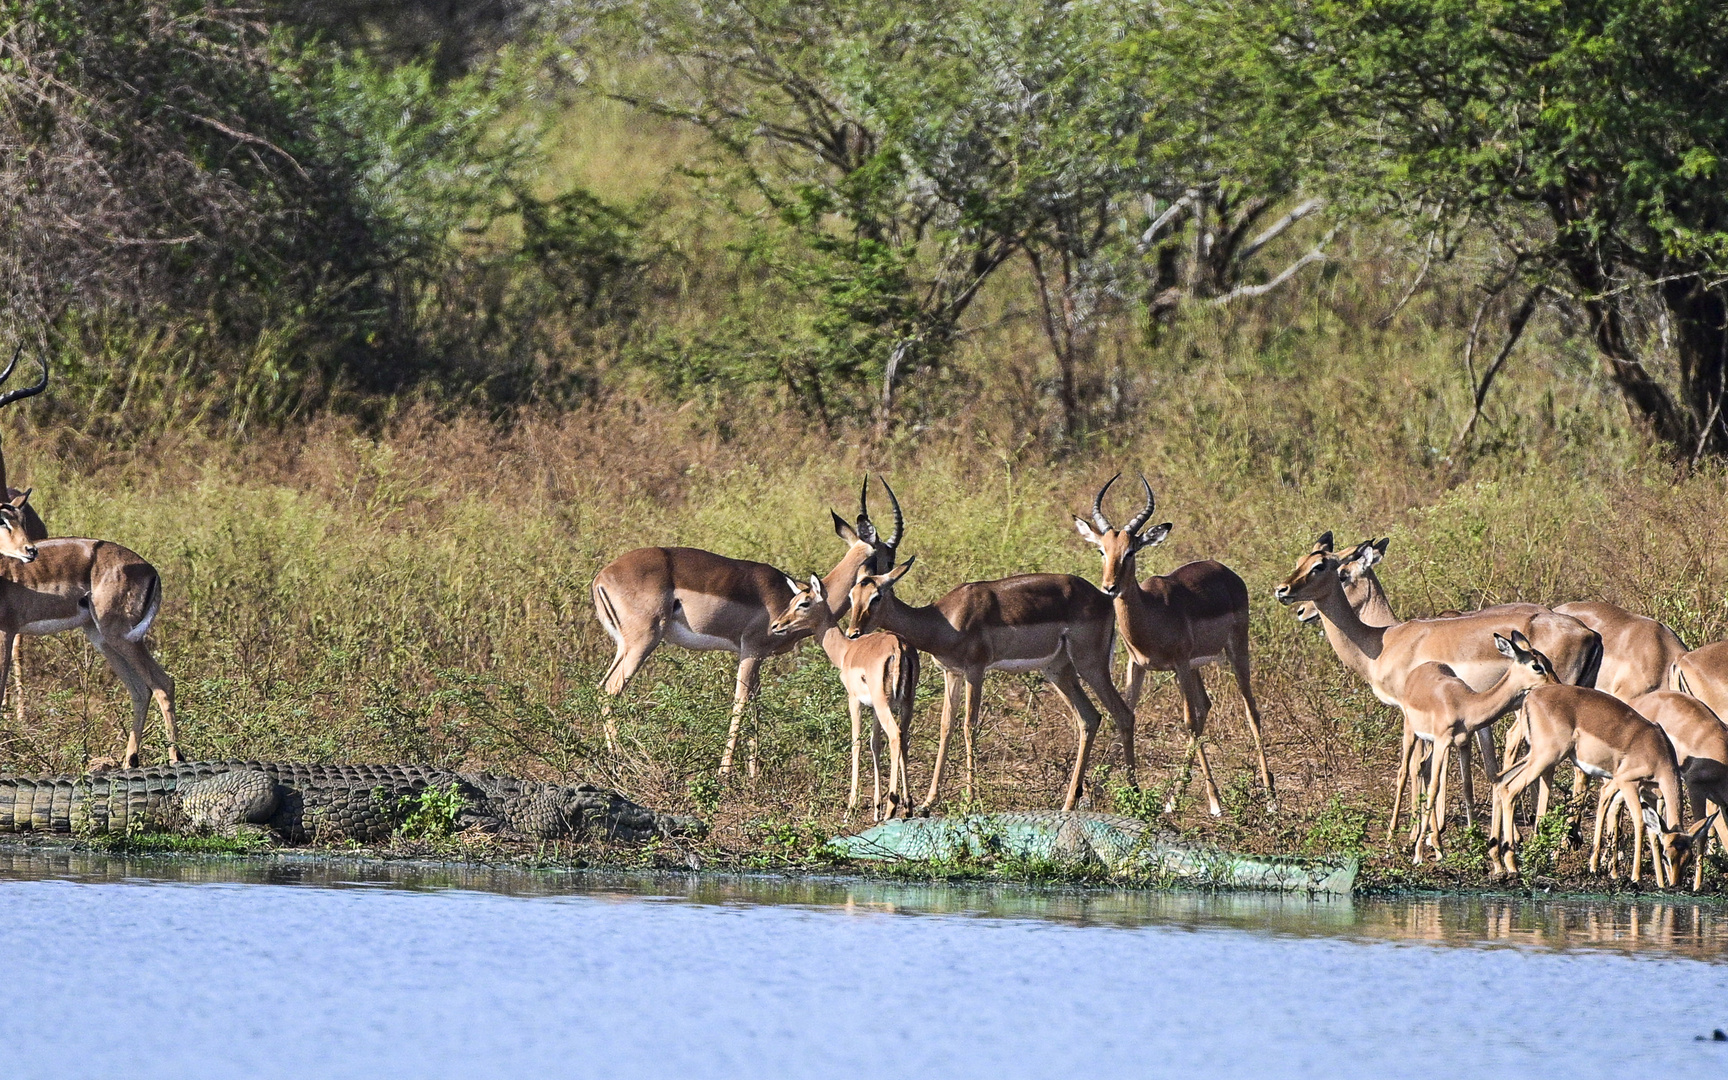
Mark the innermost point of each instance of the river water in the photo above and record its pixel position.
(298, 968)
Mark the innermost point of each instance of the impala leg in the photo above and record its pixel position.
(13, 646)
(633, 640)
(749, 675)
(1136, 683)
(1098, 678)
(856, 712)
(1437, 810)
(1633, 806)
(8, 655)
(951, 687)
(1240, 667)
(1466, 783)
(1603, 803)
(1195, 707)
(968, 724)
(1422, 790)
(876, 771)
(1405, 750)
(1086, 721)
(145, 681)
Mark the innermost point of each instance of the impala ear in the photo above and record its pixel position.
(22, 498)
(1507, 648)
(1155, 535)
(843, 530)
(899, 572)
(1703, 826)
(1323, 542)
(817, 589)
(1651, 821)
(1379, 547)
(1085, 529)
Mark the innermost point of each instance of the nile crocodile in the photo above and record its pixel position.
(298, 803)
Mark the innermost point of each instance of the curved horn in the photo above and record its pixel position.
(866, 527)
(1144, 515)
(28, 391)
(1098, 517)
(16, 353)
(899, 520)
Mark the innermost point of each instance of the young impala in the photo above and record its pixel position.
(879, 672)
(1195, 615)
(34, 530)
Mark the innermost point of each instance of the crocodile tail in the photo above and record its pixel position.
(152, 604)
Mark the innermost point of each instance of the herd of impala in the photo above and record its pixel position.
(1615, 694)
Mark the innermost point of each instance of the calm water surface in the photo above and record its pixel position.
(285, 968)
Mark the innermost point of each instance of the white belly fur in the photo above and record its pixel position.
(1023, 665)
(1593, 772)
(679, 633)
(43, 627)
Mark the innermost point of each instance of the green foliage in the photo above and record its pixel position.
(1536, 854)
(1339, 827)
(431, 814)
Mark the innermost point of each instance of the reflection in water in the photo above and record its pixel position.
(1676, 926)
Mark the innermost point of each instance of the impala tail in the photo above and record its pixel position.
(152, 605)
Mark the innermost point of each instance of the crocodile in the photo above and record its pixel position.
(299, 803)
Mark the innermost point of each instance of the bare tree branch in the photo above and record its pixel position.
(1317, 254)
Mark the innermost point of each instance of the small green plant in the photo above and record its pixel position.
(1467, 852)
(1143, 803)
(1339, 827)
(431, 814)
(704, 790)
(1536, 855)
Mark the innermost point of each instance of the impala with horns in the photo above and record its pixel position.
(1603, 736)
(706, 602)
(879, 672)
(1384, 656)
(34, 530)
(1055, 623)
(1195, 615)
(99, 587)
(1700, 742)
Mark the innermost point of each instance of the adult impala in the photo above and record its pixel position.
(706, 602)
(1055, 623)
(1384, 656)
(34, 530)
(879, 672)
(99, 587)
(1195, 615)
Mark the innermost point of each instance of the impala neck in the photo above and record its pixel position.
(1491, 704)
(1375, 609)
(834, 642)
(924, 628)
(1357, 644)
(838, 583)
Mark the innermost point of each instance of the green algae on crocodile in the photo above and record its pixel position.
(1118, 845)
(297, 803)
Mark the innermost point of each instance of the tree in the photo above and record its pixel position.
(1588, 134)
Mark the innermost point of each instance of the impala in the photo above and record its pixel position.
(1441, 710)
(1384, 656)
(1700, 742)
(706, 602)
(1195, 615)
(879, 672)
(1055, 623)
(1703, 673)
(1637, 652)
(96, 586)
(34, 530)
(1603, 736)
